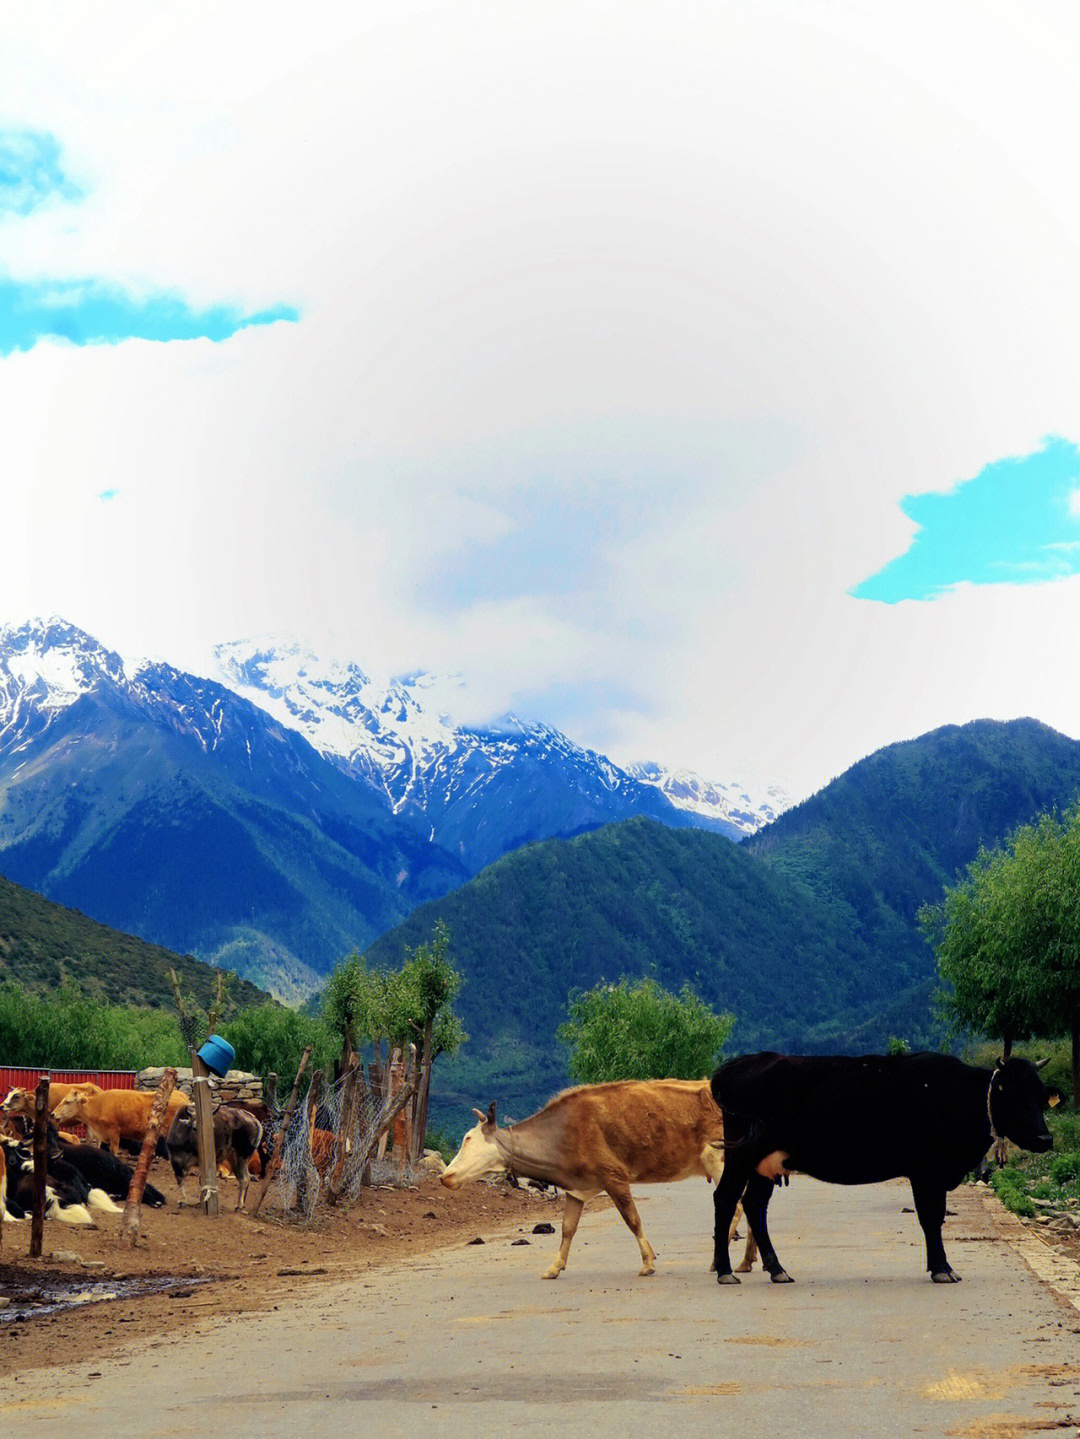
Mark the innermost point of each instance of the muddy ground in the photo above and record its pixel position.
(187, 1267)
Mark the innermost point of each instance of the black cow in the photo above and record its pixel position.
(100, 1168)
(237, 1136)
(926, 1117)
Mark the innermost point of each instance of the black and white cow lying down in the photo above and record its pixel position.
(859, 1120)
(68, 1195)
(101, 1170)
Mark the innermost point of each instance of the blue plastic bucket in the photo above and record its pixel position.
(218, 1055)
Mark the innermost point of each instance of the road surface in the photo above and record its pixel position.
(471, 1342)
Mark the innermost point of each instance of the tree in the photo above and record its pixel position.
(410, 1005)
(428, 984)
(357, 1006)
(1007, 937)
(636, 1029)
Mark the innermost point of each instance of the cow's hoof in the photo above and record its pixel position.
(946, 1276)
(781, 1277)
(728, 1279)
(551, 1274)
(645, 1273)
(743, 1268)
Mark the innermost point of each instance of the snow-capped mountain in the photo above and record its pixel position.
(287, 811)
(168, 806)
(729, 805)
(483, 791)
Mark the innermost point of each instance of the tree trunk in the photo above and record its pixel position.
(424, 1088)
(1076, 1060)
(129, 1223)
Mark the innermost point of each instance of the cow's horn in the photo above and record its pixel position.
(1042, 1063)
(491, 1112)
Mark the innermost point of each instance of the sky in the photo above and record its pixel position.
(703, 380)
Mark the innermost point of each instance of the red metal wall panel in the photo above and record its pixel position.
(27, 1076)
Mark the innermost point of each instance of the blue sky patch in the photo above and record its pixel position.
(30, 172)
(1017, 522)
(94, 314)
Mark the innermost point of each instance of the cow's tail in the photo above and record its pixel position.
(98, 1199)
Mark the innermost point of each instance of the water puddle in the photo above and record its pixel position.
(66, 1294)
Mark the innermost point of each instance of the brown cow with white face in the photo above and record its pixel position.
(604, 1137)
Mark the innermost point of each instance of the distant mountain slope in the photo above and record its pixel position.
(175, 810)
(807, 932)
(43, 945)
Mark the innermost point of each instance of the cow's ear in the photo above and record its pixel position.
(491, 1113)
(1053, 1097)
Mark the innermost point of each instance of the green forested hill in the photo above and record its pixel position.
(635, 898)
(807, 933)
(896, 828)
(42, 945)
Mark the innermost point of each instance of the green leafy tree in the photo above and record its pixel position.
(65, 1030)
(408, 1005)
(638, 1030)
(427, 985)
(358, 1006)
(1007, 937)
(270, 1039)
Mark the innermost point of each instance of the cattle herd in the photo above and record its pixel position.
(87, 1175)
(760, 1119)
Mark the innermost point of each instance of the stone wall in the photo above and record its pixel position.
(235, 1085)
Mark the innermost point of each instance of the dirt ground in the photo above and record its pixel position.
(186, 1266)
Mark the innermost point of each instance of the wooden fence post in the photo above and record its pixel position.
(129, 1222)
(274, 1163)
(270, 1096)
(40, 1152)
(204, 1133)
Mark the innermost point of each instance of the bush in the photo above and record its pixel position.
(638, 1030)
(1065, 1169)
(1009, 1186)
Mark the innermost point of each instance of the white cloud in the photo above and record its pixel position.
(528, 245)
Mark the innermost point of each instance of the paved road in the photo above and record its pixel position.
(472, 1342)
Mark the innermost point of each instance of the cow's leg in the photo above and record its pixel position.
(929, 1196)
(240, 1169)
(712, 1161)
(726, 1198)
(755, 1203)
(575, 1203)
(624, 1203)
(750, 1250)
